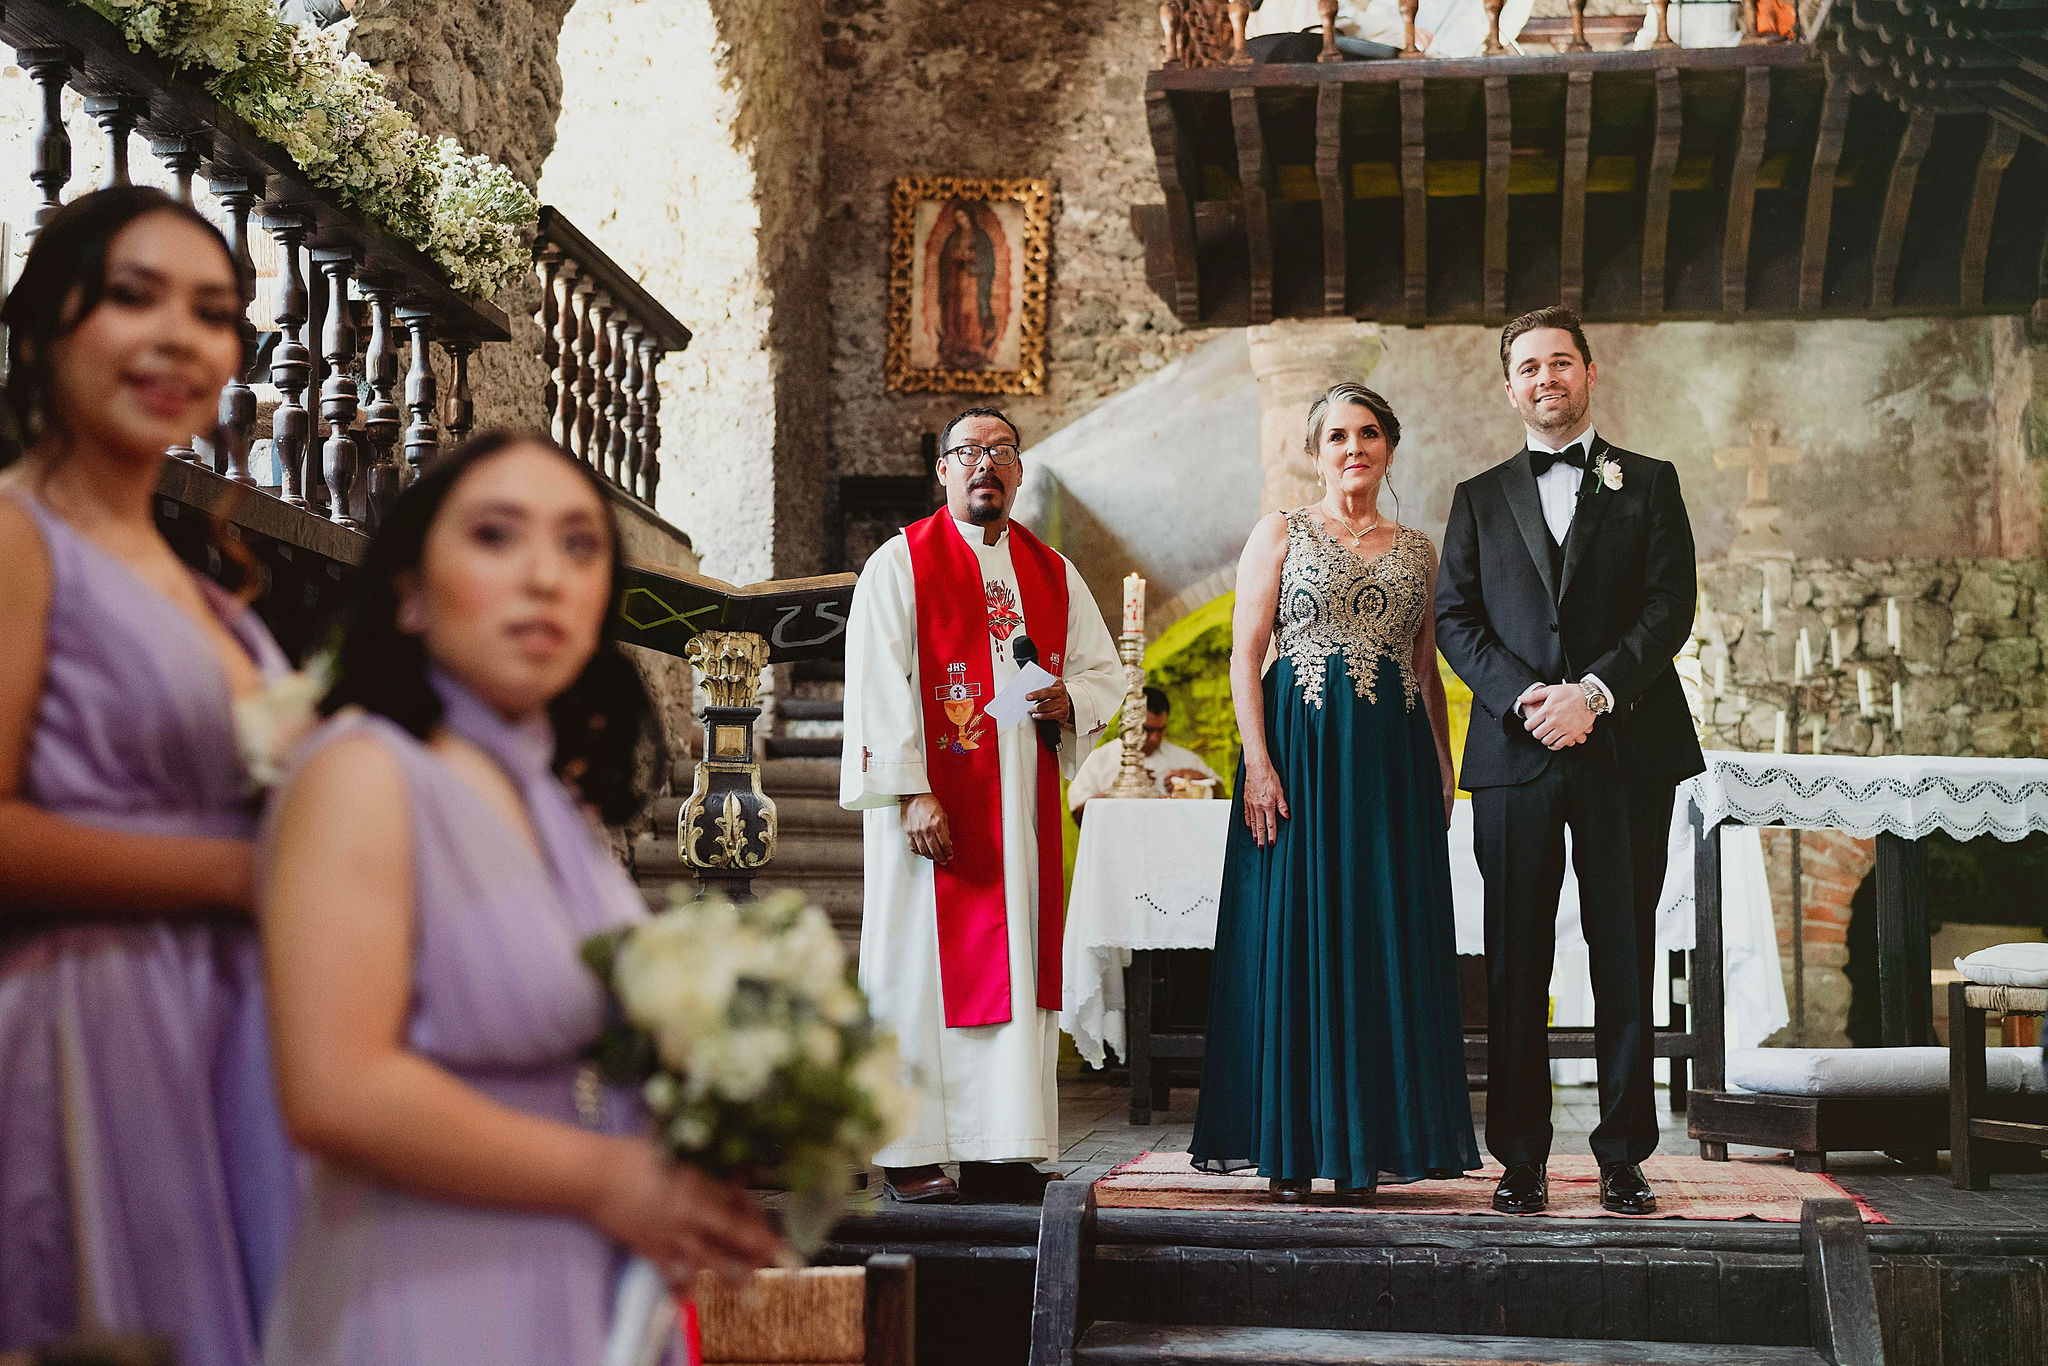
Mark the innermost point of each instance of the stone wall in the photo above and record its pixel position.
(990, 88)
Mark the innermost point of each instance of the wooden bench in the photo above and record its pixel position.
(1841, 1299)
(1972, 1125)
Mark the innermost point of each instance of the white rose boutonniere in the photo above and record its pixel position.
(1609, 471)
(270, 725)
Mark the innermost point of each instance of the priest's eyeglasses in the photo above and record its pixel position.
(969, 455)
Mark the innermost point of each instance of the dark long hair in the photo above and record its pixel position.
(605, 727)
(70, 254)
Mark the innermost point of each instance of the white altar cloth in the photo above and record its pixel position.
(1147, 874)
(1900, 794)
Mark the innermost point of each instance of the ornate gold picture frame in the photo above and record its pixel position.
(968, 261)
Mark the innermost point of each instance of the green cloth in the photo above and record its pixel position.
(1335, 1047)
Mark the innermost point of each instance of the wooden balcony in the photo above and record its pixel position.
(1757, 181)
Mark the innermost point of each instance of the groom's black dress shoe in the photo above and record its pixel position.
(1623, 1190)
(1004, 1183)
(1524, 1189)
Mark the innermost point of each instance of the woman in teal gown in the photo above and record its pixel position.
(1334, 1043)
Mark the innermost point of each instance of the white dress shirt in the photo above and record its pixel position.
(1557, 488)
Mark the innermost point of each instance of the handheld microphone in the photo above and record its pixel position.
(1025, 651)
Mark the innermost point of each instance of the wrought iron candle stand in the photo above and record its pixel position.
(727, 828)
(1131, 779)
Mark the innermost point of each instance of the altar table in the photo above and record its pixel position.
(1146, 878)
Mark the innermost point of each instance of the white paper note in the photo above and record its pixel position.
(1009, 707)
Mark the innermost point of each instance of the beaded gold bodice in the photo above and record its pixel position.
(1334, 601)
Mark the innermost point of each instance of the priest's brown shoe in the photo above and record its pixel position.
(919, 1186)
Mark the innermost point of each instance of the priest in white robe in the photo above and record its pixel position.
(962, 898)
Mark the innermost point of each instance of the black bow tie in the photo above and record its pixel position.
(1573, 455)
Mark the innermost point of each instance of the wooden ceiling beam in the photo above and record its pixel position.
(1499, 150)
(1336, 202)
(1749, 154)
(1820, 193)
(1255, 174)
(1414, 203)
(2001, 143)
(1181, 183)
(1898, 207)
(1578, 140)
(1657, 195)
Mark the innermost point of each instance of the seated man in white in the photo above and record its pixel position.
(1163, 759)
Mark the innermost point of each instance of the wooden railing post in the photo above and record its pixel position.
(183, 153)
(50, 68)
(632, 344)
(586, 367)
(547, 263)
(1663, 38)
(291, 364)
(1409, 8)
(338, 403)
(422, 441)
(600, 418)
(117, 114)
(382, 419)
(461, 407)
(650, 410)
(238, 192)
(563, 415)
(615, 417)
(1579, 42)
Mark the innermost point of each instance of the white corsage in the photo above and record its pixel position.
(1609, 471)
(270, 726)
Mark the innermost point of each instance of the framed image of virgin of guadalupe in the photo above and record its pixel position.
(967, 283)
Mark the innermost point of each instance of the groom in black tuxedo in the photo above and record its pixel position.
(1567, 587)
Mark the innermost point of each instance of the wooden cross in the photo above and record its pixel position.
(1759, 455)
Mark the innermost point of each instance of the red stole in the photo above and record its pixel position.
(955, 680)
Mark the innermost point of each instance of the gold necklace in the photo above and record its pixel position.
(1357, 536)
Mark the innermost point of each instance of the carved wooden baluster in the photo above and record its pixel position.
(382, 419)
(600, 438)
(291, 364)
(422, 441)
(461, 407)
(1663, 38)
(1240, 14)
(1749, 32)
(562, 417)
(1169, 33)
(183, 153)
(1328, 10)
(586, 368)
(237, 193)
(547, 263)
(615, 425)
(636, 414)
(1408, 11)
(650, 419)
(1579, 42)
(1493, 47)
(50, 68)
(338, 403)
(117, 115)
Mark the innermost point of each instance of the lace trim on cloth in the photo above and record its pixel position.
(1908, 795)
(1334, 601)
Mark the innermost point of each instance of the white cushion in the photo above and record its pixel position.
(2007, 965)
(1876, 1071)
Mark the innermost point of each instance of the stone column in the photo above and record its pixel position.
(1295, 362)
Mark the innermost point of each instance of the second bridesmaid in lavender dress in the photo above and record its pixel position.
(431, 877)
(145, 1182)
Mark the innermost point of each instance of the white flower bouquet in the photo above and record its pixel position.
(755, 1053)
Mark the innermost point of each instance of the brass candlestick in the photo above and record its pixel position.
(1132, 780)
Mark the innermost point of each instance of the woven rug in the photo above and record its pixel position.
(1687, 1188)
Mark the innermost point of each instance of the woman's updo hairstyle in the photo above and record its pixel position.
(1347, 392)
(606, 733)
(61, 283)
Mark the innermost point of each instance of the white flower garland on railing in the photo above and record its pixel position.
(304, 90)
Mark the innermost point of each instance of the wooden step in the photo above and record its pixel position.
(811, 709)
(802, 747)
(1141, 1344)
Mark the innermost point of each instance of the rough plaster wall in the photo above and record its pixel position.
(688, 147)
(484, 73)
(2020, 426)
(991, 88)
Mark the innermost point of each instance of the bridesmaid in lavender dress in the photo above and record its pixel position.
(145, 1182)
(430, 878)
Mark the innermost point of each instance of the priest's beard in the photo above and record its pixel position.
(980, 513)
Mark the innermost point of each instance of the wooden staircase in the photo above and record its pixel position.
(1311, 1319)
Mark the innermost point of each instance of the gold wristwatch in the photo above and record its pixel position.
(1596, 701)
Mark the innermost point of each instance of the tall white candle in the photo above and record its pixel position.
(1863, 692)
(1898, 706)
(1767, 604)
(1721, 674)
(1891, 623)
(1778, 737)
(1134, 605)
(1820, 731)
(1835, 648)
(1802, 658)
